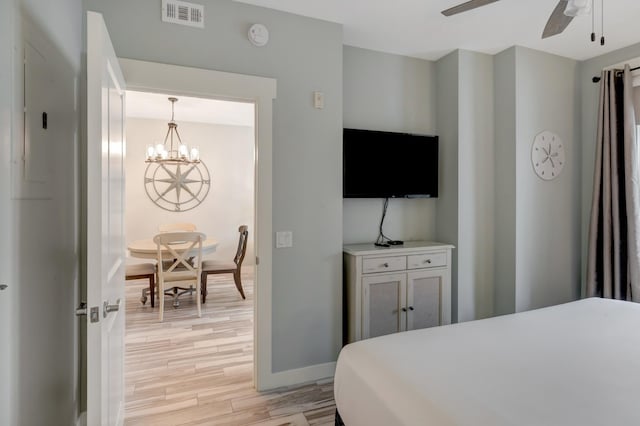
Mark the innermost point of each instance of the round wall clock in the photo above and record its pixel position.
(547, 155)
(177, 187)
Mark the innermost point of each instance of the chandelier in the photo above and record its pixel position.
(177, 153)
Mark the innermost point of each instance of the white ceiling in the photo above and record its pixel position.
(197, 110)
(417, 28)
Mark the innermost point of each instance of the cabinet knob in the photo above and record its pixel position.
(404, 309)
(386, 265)
(411, 308)
(427, 261)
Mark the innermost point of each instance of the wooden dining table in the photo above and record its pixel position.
(147, 249)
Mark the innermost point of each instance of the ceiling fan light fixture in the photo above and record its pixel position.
(578, 8)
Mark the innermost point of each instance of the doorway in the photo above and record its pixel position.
(186, 358)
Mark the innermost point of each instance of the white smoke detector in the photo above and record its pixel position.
(258, 35)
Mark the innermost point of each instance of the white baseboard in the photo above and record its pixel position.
(299, 375)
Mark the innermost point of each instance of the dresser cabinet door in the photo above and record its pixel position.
(383, 297)
(425, 291)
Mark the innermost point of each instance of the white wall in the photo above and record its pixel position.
(228, 152)
(397, 94)
(304, 55)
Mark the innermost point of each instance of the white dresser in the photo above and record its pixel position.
(397, 288)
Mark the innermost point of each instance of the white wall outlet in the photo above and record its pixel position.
(284, 239)
(318, 100)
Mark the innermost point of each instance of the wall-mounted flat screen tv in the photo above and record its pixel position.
(385, 164)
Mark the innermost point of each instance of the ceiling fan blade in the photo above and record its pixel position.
(558, 21)
(469, 5)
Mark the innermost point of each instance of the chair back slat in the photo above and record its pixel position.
(168, 241)
(242, 245)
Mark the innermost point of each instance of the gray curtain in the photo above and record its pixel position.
(613, 266)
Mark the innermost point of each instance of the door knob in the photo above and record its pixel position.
(106, 308)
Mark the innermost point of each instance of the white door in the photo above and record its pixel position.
(105, 231)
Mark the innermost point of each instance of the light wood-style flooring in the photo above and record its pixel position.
(198, 371)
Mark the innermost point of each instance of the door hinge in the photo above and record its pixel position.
(257, 260)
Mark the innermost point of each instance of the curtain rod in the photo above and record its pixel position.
(597, 79)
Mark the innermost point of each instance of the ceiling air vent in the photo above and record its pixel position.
(181, 12)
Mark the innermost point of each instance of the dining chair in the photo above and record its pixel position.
(210, 267)
(143, 271)
(177, 227)
(180, 272)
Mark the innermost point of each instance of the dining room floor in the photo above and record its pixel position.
(198, 371)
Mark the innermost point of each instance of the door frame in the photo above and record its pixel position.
(261, 91)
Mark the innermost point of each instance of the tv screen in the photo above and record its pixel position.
(384, 164)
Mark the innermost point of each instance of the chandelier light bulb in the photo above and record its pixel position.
(195, 154)
(151, 152)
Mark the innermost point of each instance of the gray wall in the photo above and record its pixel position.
(589, 121)
(475, 186)
(505, 181)
(41, 233)
(447, 124)
(304, 55)
(397, 94)
(547, 212)
(465, 111)
(538, 237)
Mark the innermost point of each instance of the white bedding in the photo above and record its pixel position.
(571, 364)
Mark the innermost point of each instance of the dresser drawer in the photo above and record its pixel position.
(384, 264)
(430, 260)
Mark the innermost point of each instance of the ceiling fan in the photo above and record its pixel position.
(560, 18)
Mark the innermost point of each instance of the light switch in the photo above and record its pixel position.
(284, 239)
(318, 100)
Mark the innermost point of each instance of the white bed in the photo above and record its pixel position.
(571, 364)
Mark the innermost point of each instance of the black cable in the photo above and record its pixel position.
(380, 241)
(383, 240)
